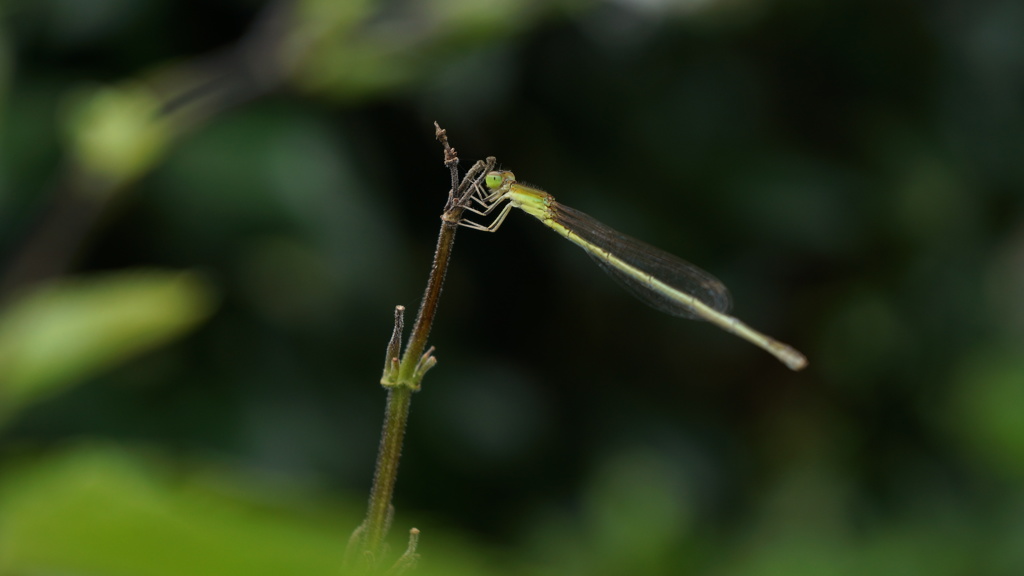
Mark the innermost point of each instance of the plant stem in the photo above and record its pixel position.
(442, 255)
(402, 383)
(428, 308)
(378, 516)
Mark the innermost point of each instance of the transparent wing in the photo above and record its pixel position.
(673, 271)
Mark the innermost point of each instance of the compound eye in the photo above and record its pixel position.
(494, 180)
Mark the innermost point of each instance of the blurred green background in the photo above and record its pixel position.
(208, 211)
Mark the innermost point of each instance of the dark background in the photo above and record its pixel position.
(851, 170)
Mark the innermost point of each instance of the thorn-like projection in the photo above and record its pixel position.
(390, 376)
(407, 561)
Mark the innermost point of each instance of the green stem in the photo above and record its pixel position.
(379, 514)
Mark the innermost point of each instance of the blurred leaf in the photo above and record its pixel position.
(638, 510)
(107, 511)
(66, 331)
(100, 511)
(117, 133)
(353, 55)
